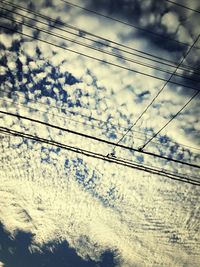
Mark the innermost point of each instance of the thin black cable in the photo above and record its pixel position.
(184, 67)
(159, 92)
(150, 167)
(174, 116)
(185, 176)
(86, 123)
(56, 45)
(126, 23)
(180, 146)
(180, 5)
(92, 125)
(87, 153)
(116, 55)
(45, 41)
(97, 49)
(98, 59)
(98, 139)
(123, 22)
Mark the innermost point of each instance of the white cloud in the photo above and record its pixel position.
(3, 70)
(171, 21)
(60, 208)
(107, 207)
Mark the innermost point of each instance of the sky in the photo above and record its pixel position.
(77, 210)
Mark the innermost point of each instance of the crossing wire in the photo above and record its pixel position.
(183, 6)
(159, 92)
(123, 162)
(99, 49)
(108, 41)
(116, 55)
(20, 32)
(180, 146)
(173, 117)
(98, 139)
(97, 59)
(90, 46)
(126, 23)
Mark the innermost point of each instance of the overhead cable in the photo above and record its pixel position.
(97, 59)
(126, 23)
(167, 174)
(117, 126)
(183, 6)
(98, 139)
(116, 55)
(160, 91)
(173, 117)
(106, 42)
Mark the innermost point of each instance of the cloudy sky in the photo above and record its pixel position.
(75, 69)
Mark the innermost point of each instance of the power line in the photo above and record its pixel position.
(180, 5)
(116, 55)
(159, 92)
(98, 59)
(180, 146)
(159, 169)
(95, 48)
(98, 49)
(98, 139)
(66, 25)
(45, 41)
(165, 125)
(31, 36)
(152, 170)
(92, 125)
(125, 23)
(198, 92)
(7, 132)
(86, 123)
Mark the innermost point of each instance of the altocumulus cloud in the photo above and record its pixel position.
(59, 196)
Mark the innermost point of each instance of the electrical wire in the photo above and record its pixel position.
(116, 55)
(173, 117)
(10, 29)
(108, 41)
(126, 23)
(174, 176)
(183, 6)
(98, 59)
(94, 48)
(98, 139)
(159, 92)
(98, 49)
(4, 27)
(139, 151)
(180, 146)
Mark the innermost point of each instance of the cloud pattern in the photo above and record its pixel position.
(59, 196)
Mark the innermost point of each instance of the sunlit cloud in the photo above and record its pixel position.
(95, 206)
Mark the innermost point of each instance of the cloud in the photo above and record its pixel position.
(57, 195)
(66, 208)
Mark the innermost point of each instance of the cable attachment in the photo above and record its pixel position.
(140, 149)
(111, 155)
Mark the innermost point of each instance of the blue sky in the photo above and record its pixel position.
(100, 213)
